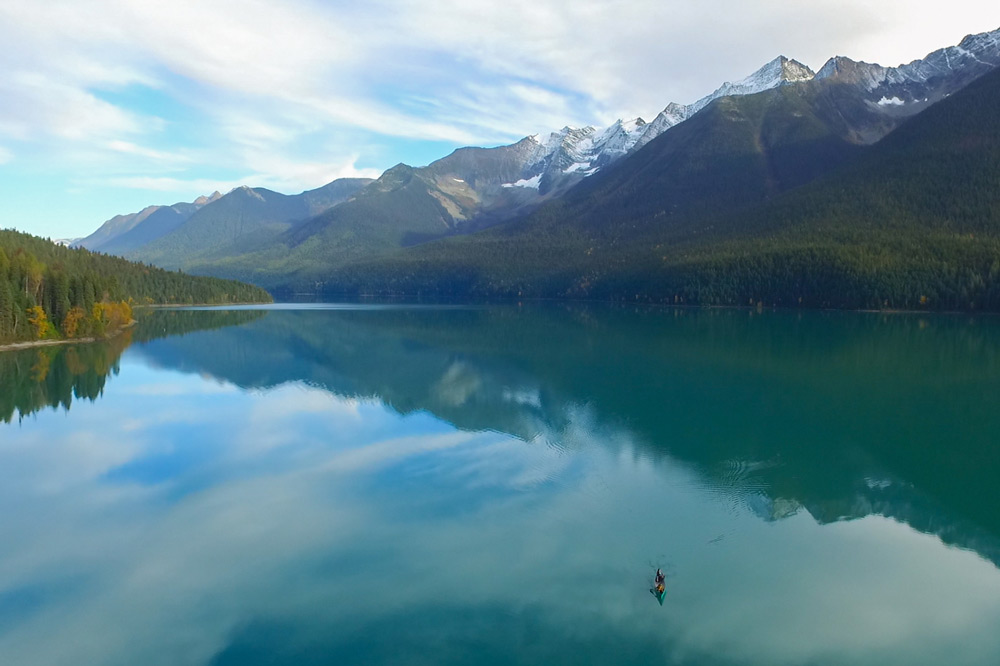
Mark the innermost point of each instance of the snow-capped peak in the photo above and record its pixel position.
(976, 52)
(572, 150)
(584, 151)
(779, 72)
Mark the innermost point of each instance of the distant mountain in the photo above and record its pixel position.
(923, 81)
(115, 236)
(242, 219)
(779, 72)
(462, 192)
(469, 190)
(577, 210)
(739, 205)
(565, 157)
(156, 225)
(474, 187)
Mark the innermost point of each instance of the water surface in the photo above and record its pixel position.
(420, 485)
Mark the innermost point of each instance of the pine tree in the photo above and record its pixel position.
(6, 310)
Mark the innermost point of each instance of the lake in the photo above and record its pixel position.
(345, 484)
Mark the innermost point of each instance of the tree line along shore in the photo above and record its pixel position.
(50, 293)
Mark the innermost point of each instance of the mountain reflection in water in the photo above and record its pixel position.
(497, 484)
(846, 414)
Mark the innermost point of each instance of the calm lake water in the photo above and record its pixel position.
(496, 485)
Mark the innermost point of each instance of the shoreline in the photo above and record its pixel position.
(166, 306)
(31, 344)
(516, 300)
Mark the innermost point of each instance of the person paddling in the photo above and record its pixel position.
(659, 581)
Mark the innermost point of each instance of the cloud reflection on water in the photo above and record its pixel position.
(292, 520)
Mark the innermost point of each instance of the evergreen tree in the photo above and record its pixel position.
(50, 291)
(6, 309)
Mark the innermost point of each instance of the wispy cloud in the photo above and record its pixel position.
(300, 91)
(166, 184)
(37, 104)
(130, 148)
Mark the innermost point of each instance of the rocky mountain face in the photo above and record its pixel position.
(923, 81)
(896, 92)
(779, 72)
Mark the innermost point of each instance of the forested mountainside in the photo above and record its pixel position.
(775, 189)
(715, 211)
(130, 230)
(48, 291)
(244, 218)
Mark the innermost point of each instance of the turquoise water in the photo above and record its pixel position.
(497, 485)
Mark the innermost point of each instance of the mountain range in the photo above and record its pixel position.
(638, 208)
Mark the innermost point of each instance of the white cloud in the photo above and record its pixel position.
(130, 148)
(300, 91)
(167, 184)
(36, 103)
(276, 173)
(334, 60)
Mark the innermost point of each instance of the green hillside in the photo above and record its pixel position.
(405, 206)
(239, 222)
(720, 210)
(158, 224)
(51, 292)
(737, 151)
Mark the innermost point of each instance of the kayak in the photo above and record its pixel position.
(659, 595)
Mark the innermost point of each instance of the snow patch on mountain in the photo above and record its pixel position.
(532, 182)
(577, 166)
(890, 101)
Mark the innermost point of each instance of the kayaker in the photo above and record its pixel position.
(659, 579)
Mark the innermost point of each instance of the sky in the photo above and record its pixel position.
(107, 106)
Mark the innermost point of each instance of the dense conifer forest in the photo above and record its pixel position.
(50, 292)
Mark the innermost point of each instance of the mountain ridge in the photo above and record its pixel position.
(239, 219)
(910, 222)
(815, 121)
